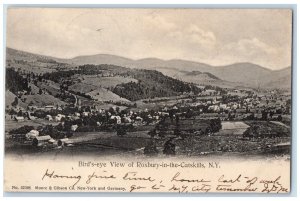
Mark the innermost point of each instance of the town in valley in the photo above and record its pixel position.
(130, 108)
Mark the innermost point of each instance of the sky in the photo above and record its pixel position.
(213, 36)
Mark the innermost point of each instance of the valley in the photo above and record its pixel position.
(94, 104)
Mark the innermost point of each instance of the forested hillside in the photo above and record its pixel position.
(152, 84)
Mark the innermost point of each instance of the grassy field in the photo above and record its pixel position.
(228, 141)
(232, 128)
(82, 88)
(9, 98)
(101, 94)
(106, 82)
(12, 124)
(225, 144)
(131, 144)
(229, 125)
(51, 87)
(38, 68)
(268, 128)
(42, 100)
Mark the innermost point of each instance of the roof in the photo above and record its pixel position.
(41, 138)
(19, 118)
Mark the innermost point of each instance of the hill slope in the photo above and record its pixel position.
(238, 74)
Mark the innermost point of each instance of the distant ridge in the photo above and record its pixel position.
(238, 74)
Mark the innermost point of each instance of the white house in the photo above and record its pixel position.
(32, 134)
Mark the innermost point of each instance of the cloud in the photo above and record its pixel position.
(216, 37)
(253, 46)
(250, 50)
(159, 22)
(192, 34)
(201, 36)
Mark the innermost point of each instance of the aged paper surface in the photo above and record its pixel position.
(148, 175)
(148, 100)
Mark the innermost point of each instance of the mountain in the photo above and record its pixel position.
(234, 75)
(12, 54)
(98, 59)
(38, 64)
(197, 77)
(279, 79)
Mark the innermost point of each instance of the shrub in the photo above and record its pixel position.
(22, 130)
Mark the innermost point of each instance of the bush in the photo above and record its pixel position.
(85, 129)
(121, 130)
(22, 130)
(69, 134)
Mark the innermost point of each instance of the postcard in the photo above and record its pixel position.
(157, 100)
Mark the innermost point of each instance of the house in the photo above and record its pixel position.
(208, 92)
(207, 115)
(32, 134)
(276, 116)
(51, 141)
(223, 106)
(257, 115)
(165, 109)
(139, 119)
(127, 120)
(30, 107)
(74, 127)
(49, 117)
(41, 140)
(234, 107)
(156, 117)
(241, 110)
(85, 114)
(50, 107)
(214, 108)
(63, 142)
(19, 118)
(223, 116)
(59, 117)
(116, 118)
(101, 111)
(163, 114)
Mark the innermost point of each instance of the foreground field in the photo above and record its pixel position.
(133, 144)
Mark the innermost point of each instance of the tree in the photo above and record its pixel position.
(20, 113)
(264, 115)
(112, 111)
(29, 90)
(22, 130)
(15, 81)
(15, 103)
(151, 149)
(169, 147)
(121, 130)
(215, 125)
